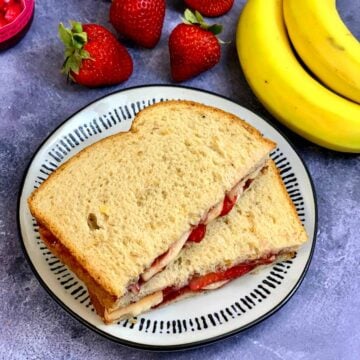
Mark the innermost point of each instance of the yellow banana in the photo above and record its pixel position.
(285, 88)
(325, 44)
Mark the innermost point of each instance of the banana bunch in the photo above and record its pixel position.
(325, 44)
(281, 83)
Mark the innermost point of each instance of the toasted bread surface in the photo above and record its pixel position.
(121, 202)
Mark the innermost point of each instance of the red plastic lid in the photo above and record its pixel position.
(14, 28)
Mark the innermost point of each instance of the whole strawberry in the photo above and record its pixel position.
(193, 47)
(138, 20)
(93, 56)
(210, 8)
(3, 22)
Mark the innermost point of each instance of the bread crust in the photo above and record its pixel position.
(235, 119)
(96, 291)
(78, 264)
(284, 191)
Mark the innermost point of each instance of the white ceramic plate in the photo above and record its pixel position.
(195, 321)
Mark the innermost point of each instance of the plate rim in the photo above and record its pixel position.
(189, 345)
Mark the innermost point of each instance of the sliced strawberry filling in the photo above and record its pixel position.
(247, 183)
(228, 205)
(199, 283)
(197, 233)
(234, 272)
(171, 293)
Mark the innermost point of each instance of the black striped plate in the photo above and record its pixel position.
(195, 321)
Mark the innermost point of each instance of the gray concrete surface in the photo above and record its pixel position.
(321, 321)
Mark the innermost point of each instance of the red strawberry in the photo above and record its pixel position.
(198, 233)
(200, 282)
(138, 20)
(193, 47)
(93, 56)
(210, 8)
(4, 3)
(12, 11)
(3, 22)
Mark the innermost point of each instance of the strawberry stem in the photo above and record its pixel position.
(195, 18)
(74, 40)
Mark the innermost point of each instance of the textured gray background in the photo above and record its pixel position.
(321, 321)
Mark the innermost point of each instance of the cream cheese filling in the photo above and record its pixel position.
(169, 257)
(134, 309)
(215, 285)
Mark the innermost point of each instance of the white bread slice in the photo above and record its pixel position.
(120, 203)
(263, 222)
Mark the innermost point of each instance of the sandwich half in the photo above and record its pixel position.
(262, 228)
(122, 209)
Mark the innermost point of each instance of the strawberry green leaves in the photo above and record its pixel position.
(195, 18)
(74, 40)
